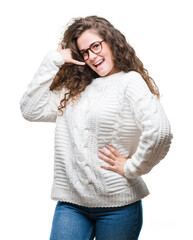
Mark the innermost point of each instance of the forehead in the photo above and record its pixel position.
(87, 38)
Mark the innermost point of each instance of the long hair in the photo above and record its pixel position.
(75, 78)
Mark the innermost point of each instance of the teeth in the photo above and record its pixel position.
(98, 62)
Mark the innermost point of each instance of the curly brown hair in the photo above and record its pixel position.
(75, 78)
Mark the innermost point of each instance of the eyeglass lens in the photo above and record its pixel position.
(96, 47)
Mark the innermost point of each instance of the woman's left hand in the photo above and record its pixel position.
(115, 160)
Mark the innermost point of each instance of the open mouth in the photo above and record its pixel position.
(99, 63)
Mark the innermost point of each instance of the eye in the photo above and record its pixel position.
(95, 46)
(84, 53)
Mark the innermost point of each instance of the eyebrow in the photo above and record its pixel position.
(82, 50)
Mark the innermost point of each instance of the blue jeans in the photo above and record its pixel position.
(74, 222)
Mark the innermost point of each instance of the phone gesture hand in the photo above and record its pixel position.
(67, 55)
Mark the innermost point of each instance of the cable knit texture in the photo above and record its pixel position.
(118, 110)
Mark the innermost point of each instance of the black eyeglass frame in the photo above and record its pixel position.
(83, 51)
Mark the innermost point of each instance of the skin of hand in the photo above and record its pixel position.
(67, 55)
(114, 158)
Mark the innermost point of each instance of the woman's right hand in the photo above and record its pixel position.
(67, 55)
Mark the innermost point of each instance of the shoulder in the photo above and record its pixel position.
(135, 78)
(135, 83)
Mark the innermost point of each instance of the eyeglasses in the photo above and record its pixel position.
(95, 47)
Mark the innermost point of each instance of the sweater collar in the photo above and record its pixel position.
(107, 78)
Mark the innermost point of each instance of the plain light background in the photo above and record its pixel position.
(161, 33)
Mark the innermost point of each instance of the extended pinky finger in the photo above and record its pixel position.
(78, 62)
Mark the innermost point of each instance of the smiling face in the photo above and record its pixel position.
(102, 63)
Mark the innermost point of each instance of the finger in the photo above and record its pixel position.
(77, 62)
(109, 155)
(107, 160)
(108, 167)
(113, 150)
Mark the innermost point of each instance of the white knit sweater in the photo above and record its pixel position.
(118, 110)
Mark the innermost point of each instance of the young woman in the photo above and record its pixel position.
(110, 130)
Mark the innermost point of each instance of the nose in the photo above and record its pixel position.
(92, 55)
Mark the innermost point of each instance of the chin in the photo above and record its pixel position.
(104, 73)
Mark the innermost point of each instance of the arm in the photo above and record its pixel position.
(38, 102)
(155, 129)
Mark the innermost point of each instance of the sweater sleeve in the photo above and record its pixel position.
(38, 102)
(155, 128)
